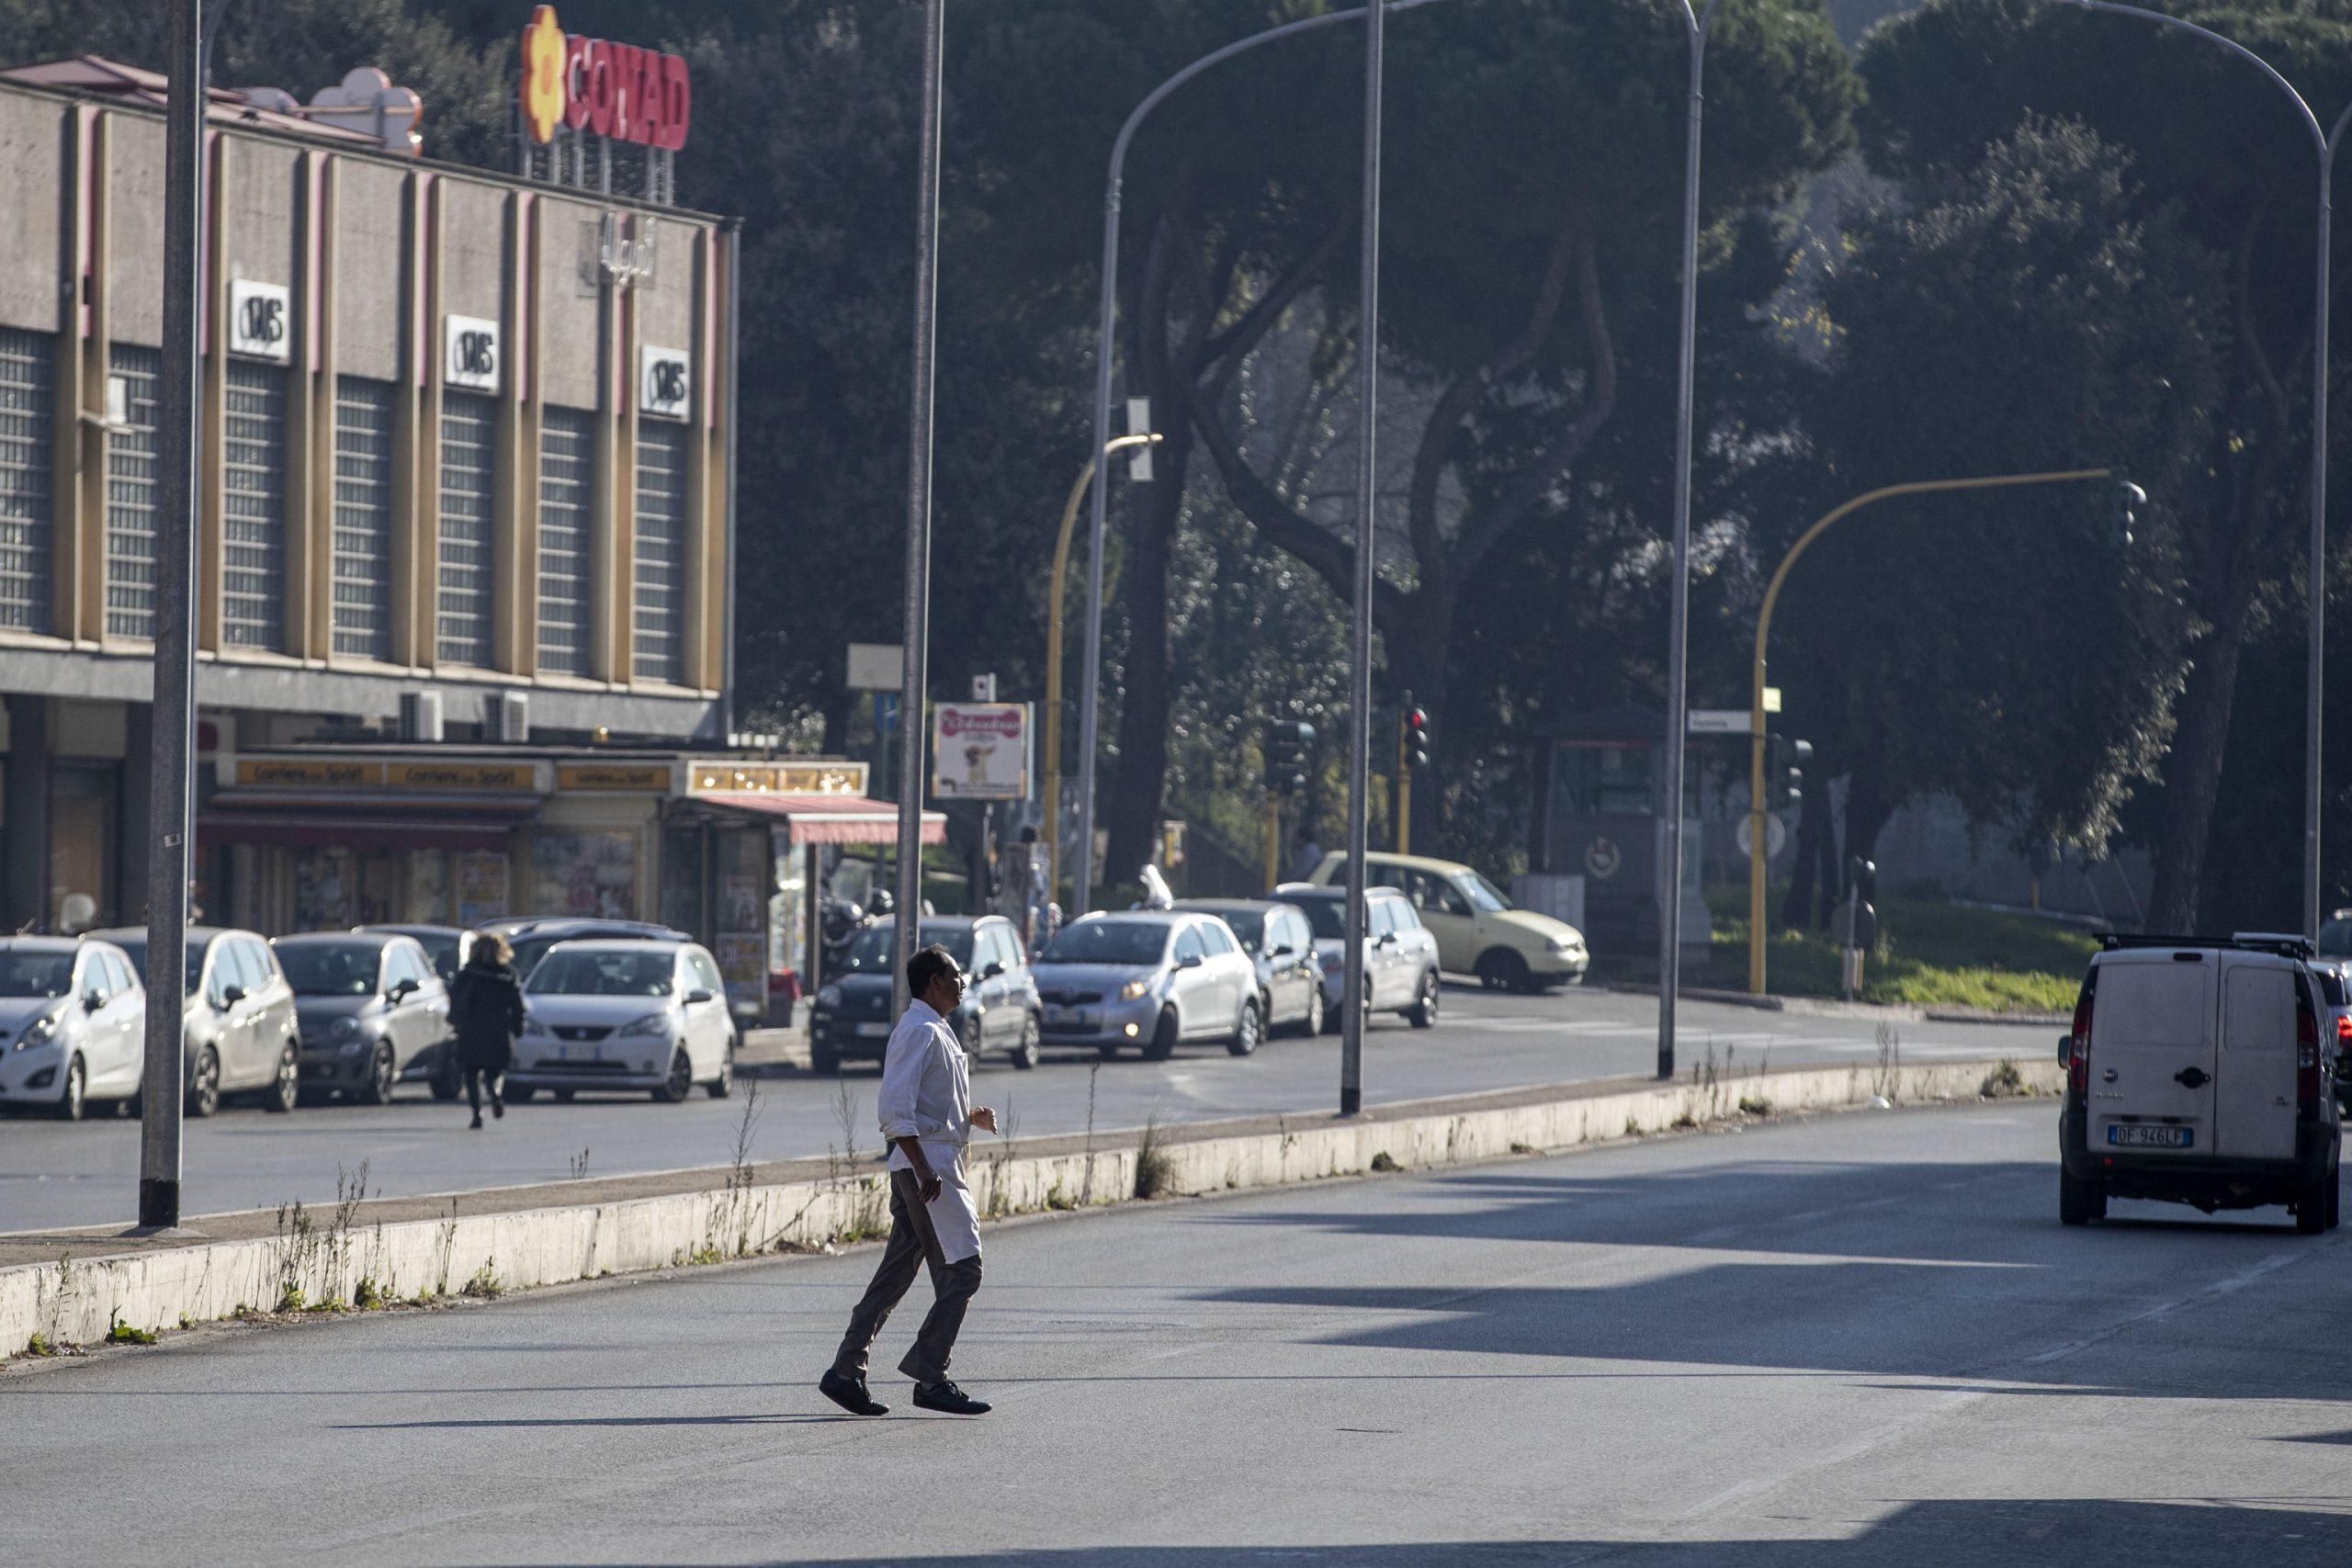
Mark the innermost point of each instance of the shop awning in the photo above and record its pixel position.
(363, 822)
(831, 819)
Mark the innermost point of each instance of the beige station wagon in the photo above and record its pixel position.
(1478, 931)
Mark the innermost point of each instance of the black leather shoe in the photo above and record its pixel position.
(948, 1400)
(851, 1395)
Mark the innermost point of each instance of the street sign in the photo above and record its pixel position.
(1771, 699)
(875, 666)
(1776, 837)
(981, 751)
(984, 688)
(886, 711)
(1719, 721)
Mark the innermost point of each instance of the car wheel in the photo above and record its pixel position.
(204, 1084)
(1500, 969)
(680, 1081)
(1424, 1013)
(1024, 1054)
(563, 1095)
(2079, 1201)
(1107, 1052)
(1244, 1031)
(447, 1082)
(824, 1059)
(377, 1089)
(518, 1093)
(2334, 1211)
(1164, 1037)
(2310, 1205)
(75, 1100)
(285, 1090)
(723, 1085)
(1312, 1024)
(1334, 1019)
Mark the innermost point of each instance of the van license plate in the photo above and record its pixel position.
(873, 1030)
(2151, 1137)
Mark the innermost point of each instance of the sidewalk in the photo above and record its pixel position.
(777, 1051)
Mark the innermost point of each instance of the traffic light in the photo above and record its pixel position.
(1288, 743)
(1785, 774)
(1414, 742)
(2128, 498)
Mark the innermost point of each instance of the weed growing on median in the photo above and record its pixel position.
(1086, 1183)
(1755, 1105)
(1382, 1162)
(485, 1285)
(1154, 1170)
(367, 1295)
(121, 1333)
(579, 1164)
(289, 1299)
(41, 1345)
(1888, 1082)
(2004, 1082)
(1008, 1123)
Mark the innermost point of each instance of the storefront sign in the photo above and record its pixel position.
(463, 775)
(261, 320)
(664, 382)
(778, 778)
(280, 773)
(981, 751)
(470, 353)
(615, 90)
(633, 778)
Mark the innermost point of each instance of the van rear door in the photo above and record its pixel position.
(2254, 1111)
(2151, 1062)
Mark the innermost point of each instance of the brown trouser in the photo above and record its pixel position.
(951, 1285)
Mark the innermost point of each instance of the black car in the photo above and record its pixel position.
(851, 1016)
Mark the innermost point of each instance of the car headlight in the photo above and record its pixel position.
(652, 1023)
(829, 997)
(40, 1032)
(352, 1047)
(343, 1028)
(1563, 943)
(532, 1026)
(1136, 989)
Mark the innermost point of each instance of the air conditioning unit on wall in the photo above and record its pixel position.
(506, 717)
(420, 715)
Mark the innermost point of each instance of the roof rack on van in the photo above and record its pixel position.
(2287, 944)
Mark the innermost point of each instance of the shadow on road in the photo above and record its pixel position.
(2054, 1534)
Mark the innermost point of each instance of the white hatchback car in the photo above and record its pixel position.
(73, 1024)
(624, 1015)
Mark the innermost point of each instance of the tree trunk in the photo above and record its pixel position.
(1814, 834)
(1869, 804)
(1139, 786)
(2193, 775)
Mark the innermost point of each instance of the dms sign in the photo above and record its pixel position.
(470, 353)
(664, 382)
(261, 320)
(616, 90)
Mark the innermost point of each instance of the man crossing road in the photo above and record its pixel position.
(927, 1118)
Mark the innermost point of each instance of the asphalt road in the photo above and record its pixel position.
(54, 1176)
(1863, 1340)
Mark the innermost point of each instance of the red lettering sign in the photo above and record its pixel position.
(626, 93)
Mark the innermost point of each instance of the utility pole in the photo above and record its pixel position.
(170, 806)
(1360, 664)
(914, 720)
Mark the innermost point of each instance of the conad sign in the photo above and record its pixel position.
(608, 89)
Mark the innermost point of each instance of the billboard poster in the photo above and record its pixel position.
(979, 751)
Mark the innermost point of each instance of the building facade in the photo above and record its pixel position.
(464, 474)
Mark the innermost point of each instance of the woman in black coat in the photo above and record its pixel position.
(486, 1015)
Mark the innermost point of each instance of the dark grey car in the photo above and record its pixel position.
(850, 1017)
(369, 1004)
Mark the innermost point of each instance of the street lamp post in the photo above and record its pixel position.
(2325, 141)
(1696, 26)
(913, 674)
(1088, 699)
(1757, 847)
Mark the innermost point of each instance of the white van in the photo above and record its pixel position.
(2197, 1073)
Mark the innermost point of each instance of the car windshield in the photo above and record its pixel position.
(2335, 938)
(35, 973)
(606, 974)
(1108, 942)
(1485, 897)
(1328, 917)
(328, 968)
(136, 946)
(871, 952)
(1249, 927)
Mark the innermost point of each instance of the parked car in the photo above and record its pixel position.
(437, 1064)
(850, 1016)
(2197, 1073)
(445, 946)
(368, 1004)
(2334, 978)
(72, 1024)
(1148, 977)
(1281, 944)
(1399, 953)
(1478, 931)
(624, 1014)
(240, 1027)
(530, 936)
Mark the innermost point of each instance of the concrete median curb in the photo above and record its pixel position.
(342, 1258)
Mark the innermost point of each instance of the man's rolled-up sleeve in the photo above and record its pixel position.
(902, 1071)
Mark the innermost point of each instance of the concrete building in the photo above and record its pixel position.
(464, 474)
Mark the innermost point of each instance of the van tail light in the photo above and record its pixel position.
(2307, 1085)
(2343, 1030)
(2078, 1060)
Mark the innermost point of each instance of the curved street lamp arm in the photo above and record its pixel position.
(2320, 137)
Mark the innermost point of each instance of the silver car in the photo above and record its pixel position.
(1399, 953)
(1281, 944)
(1148, 978)
(72, 1024)
(369, 1004)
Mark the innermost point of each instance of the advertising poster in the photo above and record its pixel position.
(482, 885)
(981, 751)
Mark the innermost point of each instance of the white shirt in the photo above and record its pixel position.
(926, 1089)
